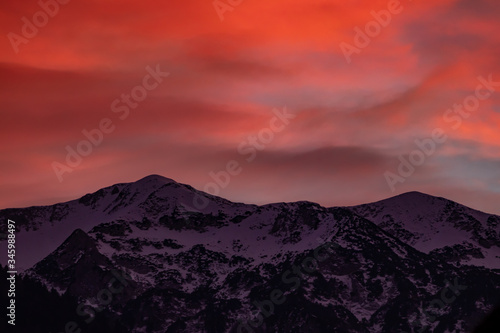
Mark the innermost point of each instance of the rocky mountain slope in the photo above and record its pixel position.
(438, 226)
(140, 256)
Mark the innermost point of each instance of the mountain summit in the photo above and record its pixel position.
(434, 224)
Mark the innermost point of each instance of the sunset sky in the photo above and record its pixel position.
(231, 69)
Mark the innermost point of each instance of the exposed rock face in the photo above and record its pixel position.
(285, 267)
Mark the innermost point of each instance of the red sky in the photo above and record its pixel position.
(352, 120)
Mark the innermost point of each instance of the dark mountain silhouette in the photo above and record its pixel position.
(141, 257)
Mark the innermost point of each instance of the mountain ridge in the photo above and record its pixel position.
(155, 195)
(219, 264)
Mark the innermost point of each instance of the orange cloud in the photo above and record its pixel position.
(352, 120)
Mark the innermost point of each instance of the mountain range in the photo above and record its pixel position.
(137, 257)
